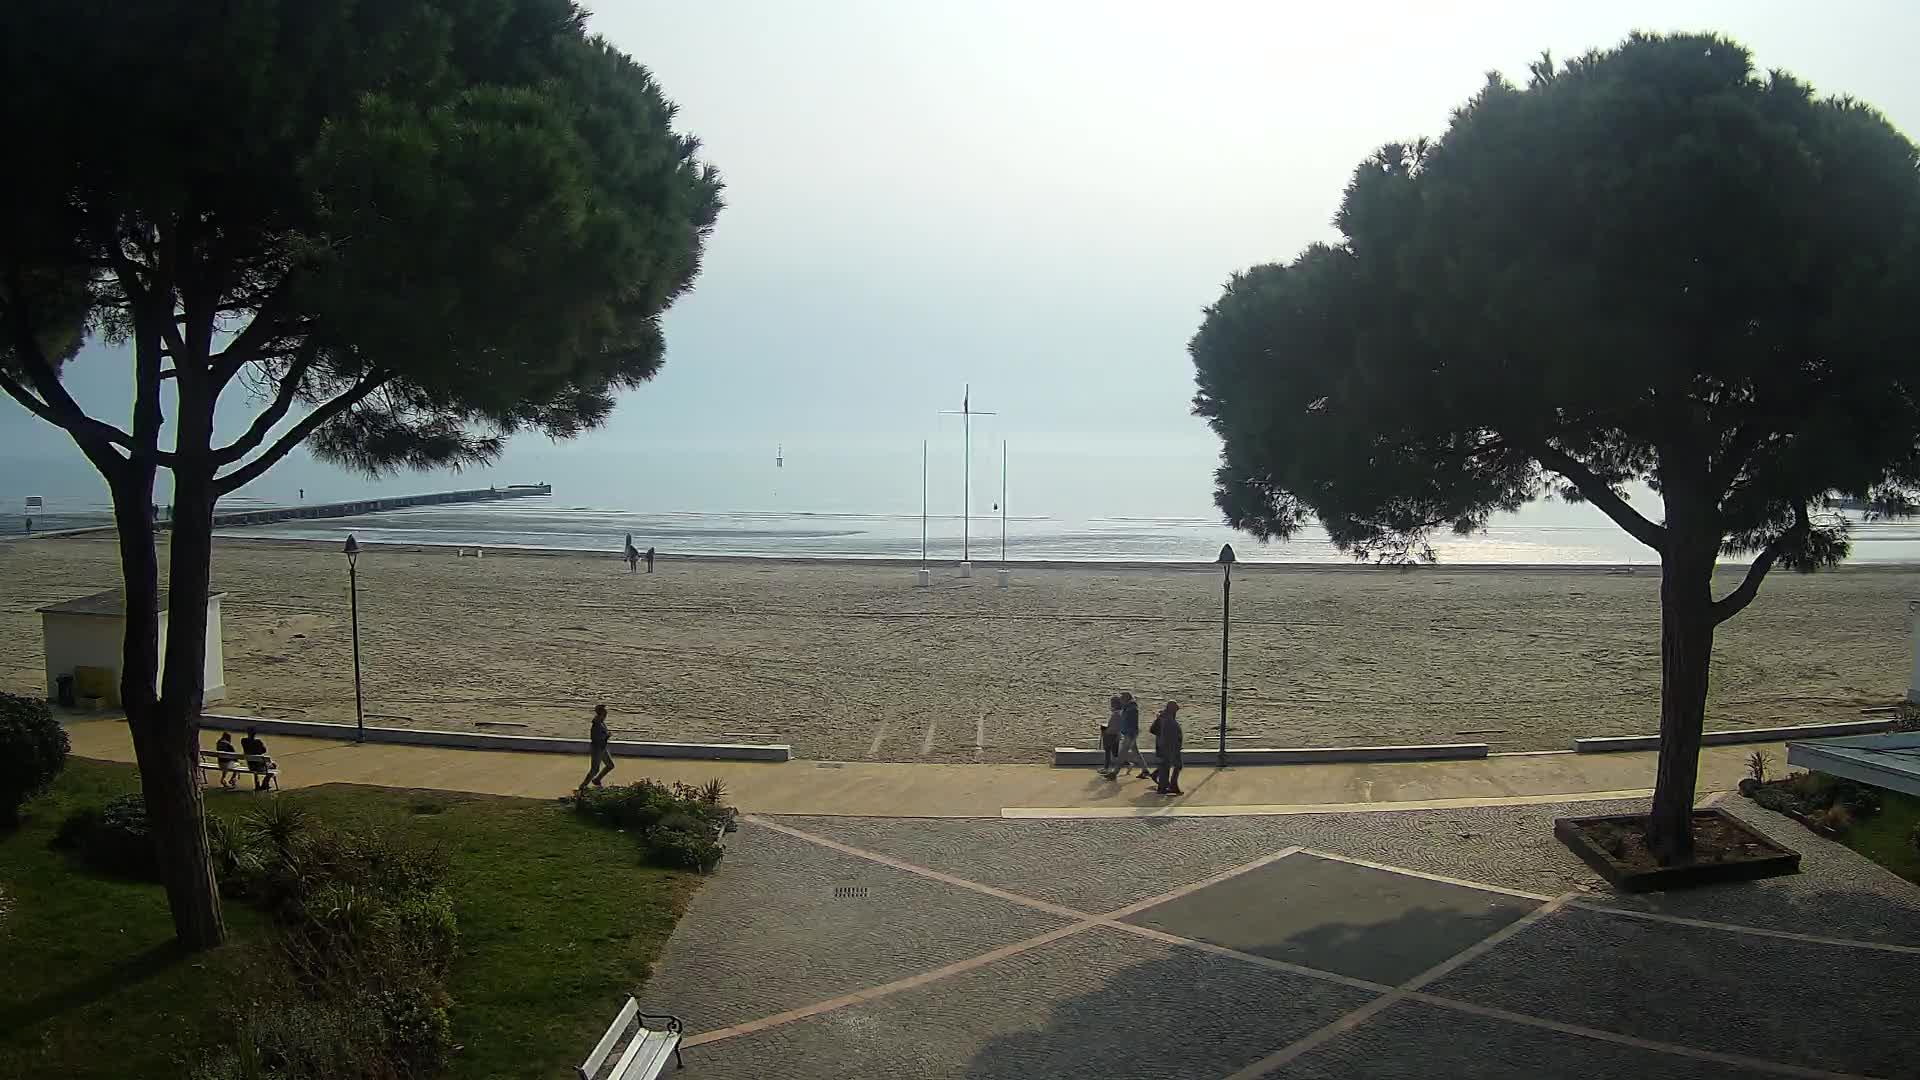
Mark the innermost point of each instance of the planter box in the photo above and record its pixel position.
(1778, 860)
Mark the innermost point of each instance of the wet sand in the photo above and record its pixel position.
(851, 662)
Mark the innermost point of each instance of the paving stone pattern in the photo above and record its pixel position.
(1102, 1003)
(767, 934)
(1105, 863)
(1824, 1006)
(1334, 916)
(1837, 893)
(1412, 1040)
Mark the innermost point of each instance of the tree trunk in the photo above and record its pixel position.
(1686, 652)
(180, 829)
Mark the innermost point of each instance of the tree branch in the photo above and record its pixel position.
(252, 342)
(1736, 601)
(276, 411)
(1601, 494)
(52, 403)
(298, 433)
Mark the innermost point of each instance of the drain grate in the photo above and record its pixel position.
(849, 892)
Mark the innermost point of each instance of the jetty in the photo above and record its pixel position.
(373, 506)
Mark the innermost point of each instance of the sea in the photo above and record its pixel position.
(1123, 503)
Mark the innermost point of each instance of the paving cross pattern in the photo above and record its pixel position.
(1310, 946)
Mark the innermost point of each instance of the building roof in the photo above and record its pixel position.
(109, 604)
(1890, 761)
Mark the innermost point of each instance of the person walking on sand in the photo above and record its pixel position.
(649, 560)
(1110, 739)
(1168, 741)
(1129, 748)
(602, 760)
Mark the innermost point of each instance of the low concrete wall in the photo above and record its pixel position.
(1309, 755)
(1610, 743)
(484, 741)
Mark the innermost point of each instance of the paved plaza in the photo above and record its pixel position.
(1423, 943)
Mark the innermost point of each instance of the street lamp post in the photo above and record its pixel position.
(353, 602)
(1226, 610)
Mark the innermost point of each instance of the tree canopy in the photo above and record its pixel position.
(402, 229)
(417, 225)
(1651, 264)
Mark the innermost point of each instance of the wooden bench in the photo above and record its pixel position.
(645, 1048)
(210, 763)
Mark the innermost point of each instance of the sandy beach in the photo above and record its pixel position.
(851, 662)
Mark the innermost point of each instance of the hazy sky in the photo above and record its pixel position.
(1040, 197)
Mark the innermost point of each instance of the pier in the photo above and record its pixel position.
(372, 506)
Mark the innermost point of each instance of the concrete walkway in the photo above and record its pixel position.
(890, 789)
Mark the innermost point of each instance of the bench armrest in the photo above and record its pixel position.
(672, 1024)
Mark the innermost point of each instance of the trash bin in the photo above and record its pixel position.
(64, 690)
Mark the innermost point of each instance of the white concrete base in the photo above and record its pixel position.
(966, 569)
(1199, 755)
(923, 578)
(1610, 743)
(485, 741)
(1004, 576)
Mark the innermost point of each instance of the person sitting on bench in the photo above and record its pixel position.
(257, 760)
(224, 752)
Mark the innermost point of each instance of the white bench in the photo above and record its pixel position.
(646, 1048)
(210, 763)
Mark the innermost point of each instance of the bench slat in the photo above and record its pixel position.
(647, 1058)
(607, 1042)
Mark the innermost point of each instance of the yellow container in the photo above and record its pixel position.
(97, 682)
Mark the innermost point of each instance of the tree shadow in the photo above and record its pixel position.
(122, 974)
(1189, 1012)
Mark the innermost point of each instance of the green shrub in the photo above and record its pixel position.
(33, 750)
(77, 828)
(675, 825)
(417, 1033)
(683, 850)
(116, 841)
(238, 858)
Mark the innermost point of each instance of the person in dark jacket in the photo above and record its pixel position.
(1168, 742)
(1110, 738)
(602, 762)
(1130, 736)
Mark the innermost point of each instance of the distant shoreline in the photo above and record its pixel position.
(985, 566)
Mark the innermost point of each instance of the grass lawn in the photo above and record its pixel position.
(558, 922)
(1884, 837)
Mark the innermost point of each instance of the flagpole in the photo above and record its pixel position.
(1003, 504)
(923, 504)
(966, 475)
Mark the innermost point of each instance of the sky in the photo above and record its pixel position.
(1037, 199)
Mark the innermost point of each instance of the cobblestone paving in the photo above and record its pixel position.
(1822, 1006)
(1100, 1004)
(1453, 1044)
(1100, 864)
(1837, 893)
(1182, 947)
(768, 934)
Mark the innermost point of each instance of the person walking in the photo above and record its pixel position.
(1168, 741)
(602, 761)
(649, 560)
(1130, 737)
(1110, 739)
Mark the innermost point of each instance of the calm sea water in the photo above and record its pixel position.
(1114, 501)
